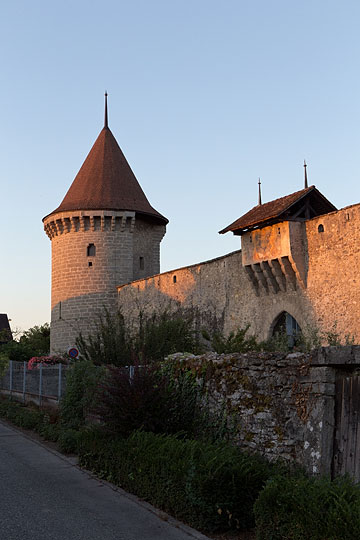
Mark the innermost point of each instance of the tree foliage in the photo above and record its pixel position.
(33, 342)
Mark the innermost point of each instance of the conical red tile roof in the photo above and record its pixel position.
(106, 182)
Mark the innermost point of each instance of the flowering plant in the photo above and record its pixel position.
(35, 361)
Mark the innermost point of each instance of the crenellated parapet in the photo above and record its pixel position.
(98, 220)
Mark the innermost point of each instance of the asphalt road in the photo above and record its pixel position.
(44, 496)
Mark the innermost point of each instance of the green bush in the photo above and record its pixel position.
(210, 486)
(25, 417)
(162, 334)
(188, 408)
(4, 363)
(159, 400)
(109, 344)
(33, 342)
(45, 422)
(235, 342)
(50, 432)
(302, 508)
(157, 336)
(140, 402)
(68, 440)
(82, 379)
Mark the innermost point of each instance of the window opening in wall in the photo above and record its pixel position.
(91, 250)
(347, 217)
(90, 263)
(278, 230)
(174, 279)
(287, 328)
(321, 228)
(141, 263)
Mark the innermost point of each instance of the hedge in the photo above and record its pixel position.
(210, 486)
(43, 421)
(302, 508)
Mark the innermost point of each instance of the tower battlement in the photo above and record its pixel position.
(70, 222)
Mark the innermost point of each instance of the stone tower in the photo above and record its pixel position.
(104, 233)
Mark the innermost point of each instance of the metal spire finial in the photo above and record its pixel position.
(305, 172)
(106, 111)
(259, 203)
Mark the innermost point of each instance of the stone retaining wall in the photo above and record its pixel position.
(281, 405)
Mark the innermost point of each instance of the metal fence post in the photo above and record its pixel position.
(59, 383)
(11, 377)
(40, 385)
(24, 381)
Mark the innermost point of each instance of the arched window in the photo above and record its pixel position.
(91, 250)
(286, 325)
(321, 228)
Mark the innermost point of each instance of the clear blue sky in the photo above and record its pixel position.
(204, 97)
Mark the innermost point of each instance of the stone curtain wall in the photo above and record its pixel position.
(218, 292)
(221, 292)
(279, 405)
(334, 270)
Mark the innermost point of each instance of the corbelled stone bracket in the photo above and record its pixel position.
(272, 276)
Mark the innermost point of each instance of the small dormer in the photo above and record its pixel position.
(273, 239)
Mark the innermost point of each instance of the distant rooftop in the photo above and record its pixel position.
(5, 331)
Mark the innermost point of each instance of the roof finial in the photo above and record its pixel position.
(305, 172)
(106, 112)
(259, 203)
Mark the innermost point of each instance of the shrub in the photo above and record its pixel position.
(154, 400)
(110, 343)
(50, 432)
(82, 379)
(301, 508)
(4, 363)
(210, 486)
(33, 342)
(37, 339)
(157, 336)
(52, 360)
(189, 408)
(162, 334)
(26, 417)
(126, 404)
(68, 440)
(235, 342)
(45, 422)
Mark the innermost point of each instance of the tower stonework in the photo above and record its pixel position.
(103, 234)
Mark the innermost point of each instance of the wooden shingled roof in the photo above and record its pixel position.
(303, 204)
(106, 182)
